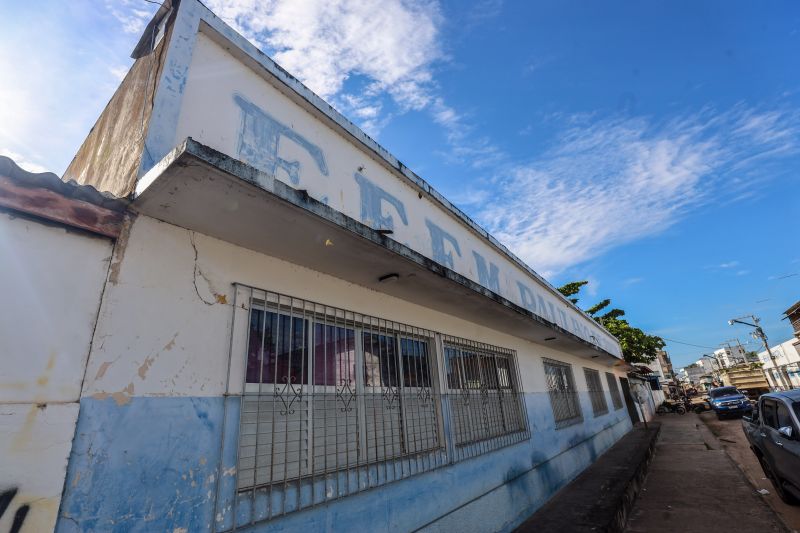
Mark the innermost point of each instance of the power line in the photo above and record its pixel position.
(688, 344)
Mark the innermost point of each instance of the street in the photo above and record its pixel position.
(731, 439)
(693, 485)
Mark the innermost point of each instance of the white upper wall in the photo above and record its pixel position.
(51, 280)
(785, 353)
(219, 90)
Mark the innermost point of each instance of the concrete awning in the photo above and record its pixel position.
(204, 190)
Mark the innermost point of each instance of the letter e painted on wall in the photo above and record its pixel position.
(259, 140)
(438, 239)
(372, 200)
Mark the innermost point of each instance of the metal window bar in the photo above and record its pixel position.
(613, 387)
(333, 403)
(563, 394)
(486, 405)
(596, 393)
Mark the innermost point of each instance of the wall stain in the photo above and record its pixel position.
(119, 249)
(121, 398)
(22, 439)
(102, 370)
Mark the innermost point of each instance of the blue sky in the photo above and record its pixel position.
(652, 148)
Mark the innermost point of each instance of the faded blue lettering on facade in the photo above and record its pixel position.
(372, 199)
(563, 316)
(543, 312)
(438, 237)
(526, 297)
(488, 277)
(259, 139)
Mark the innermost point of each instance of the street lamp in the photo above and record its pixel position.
(758, 333)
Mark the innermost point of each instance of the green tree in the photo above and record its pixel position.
(637, 346)
(571, 289)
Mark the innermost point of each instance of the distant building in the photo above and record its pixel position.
(732, 355)
(784, 372)
(663, 367)
(695, 372)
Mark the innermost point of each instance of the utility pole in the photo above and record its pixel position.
(759, 333)
(713, 372)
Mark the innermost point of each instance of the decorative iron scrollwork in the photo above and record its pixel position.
(347, 395)
(295, 395)
(390, 396)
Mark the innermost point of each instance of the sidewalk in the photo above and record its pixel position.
(600, 499)
(692, 485)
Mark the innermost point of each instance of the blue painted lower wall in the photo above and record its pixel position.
(152, 465)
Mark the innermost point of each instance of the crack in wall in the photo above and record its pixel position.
(218, 298)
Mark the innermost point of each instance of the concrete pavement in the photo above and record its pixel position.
(732, 439)
(692, 485)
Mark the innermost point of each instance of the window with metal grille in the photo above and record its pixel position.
(335, 402)
(483, 392)
(563, 395)
(596, 394)
(328, 390)
(613, 387)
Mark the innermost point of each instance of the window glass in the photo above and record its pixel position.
(563, 395)
(451, 359)
(380, 361)
(769, 414)
(416, 372)
(503, 373)
(468, 369)
(784, 418)
(723, 391)
(334, 355)
(489, 370)
(278, 349)
(614, 388)
(471, 369)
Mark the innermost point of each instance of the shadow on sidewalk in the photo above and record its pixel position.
(600, 498)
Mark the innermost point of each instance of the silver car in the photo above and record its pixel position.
(774, 434)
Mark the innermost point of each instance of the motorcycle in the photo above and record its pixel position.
(671, 407)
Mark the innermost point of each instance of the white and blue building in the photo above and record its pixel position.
(295, 332)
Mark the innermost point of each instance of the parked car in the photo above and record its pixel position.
(729, 401)
(772, 431)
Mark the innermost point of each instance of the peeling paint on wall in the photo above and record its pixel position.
(259, 138)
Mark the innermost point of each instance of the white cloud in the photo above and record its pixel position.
(465, 147)
(132, 17)
(392, 43)
(631, 281)
(729, 264)
(62, 79)
(606, 182)
(118, 72)
(22, 161)
(386, 47)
